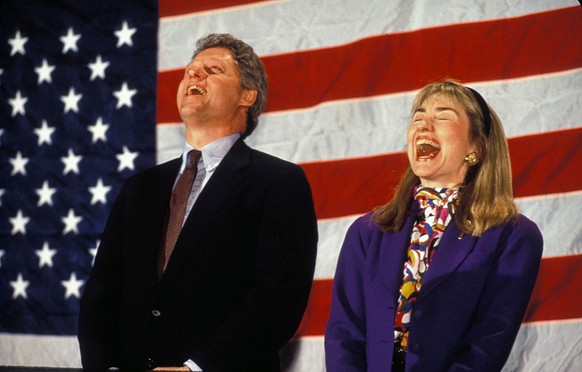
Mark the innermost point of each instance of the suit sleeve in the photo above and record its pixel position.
(285, 260)
(345, 334)
(99, 305)
(503, 302)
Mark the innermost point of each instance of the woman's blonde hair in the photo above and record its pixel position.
(486, 197)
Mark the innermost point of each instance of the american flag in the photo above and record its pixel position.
(342, 77)
(77, 97)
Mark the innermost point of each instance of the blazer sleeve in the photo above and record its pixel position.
(98, 316)
(503, 301)
(272, 309)
(345, 338)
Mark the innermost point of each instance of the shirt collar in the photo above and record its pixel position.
(212, 153)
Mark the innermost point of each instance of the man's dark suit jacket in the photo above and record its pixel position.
(236, 286)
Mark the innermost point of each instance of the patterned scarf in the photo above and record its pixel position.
(437, 207)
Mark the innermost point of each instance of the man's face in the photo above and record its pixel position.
(211, 91)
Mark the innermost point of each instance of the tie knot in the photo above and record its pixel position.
(193, 157)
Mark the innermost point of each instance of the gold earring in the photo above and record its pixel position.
(472, 159)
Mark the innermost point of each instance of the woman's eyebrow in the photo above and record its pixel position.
(446, 108)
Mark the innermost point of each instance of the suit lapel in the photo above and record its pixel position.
(392, 256)
(221, 185)
(452, 251)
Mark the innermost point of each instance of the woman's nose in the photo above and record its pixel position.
(425, 125)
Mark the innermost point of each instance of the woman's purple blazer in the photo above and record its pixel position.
(466, 316)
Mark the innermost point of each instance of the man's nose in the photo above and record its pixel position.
(196, 72)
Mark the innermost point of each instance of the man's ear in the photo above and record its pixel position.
(249, 96)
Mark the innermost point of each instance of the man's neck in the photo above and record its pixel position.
(201, 136)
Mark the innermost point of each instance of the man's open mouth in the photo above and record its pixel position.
(195, 90)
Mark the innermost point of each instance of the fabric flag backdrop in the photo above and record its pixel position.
(80, 111)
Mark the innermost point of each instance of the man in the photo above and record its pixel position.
(232, 289)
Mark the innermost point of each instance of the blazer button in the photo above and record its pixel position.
(150, 363)
(156, 313)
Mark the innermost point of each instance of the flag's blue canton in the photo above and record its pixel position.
(77, 116)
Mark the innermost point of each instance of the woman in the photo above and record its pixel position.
(439, 278)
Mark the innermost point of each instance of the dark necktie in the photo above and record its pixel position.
(178, 202)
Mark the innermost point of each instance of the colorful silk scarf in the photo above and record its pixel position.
(437, 207)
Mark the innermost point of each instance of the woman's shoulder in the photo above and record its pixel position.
(522, 223)
(519, 229)
(364, 225)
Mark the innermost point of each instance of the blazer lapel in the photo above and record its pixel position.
(394, 248)
(223, 182)
(452, 251)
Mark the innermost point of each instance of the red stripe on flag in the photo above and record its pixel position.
(501, 49)
(554, 296)
(353, 186)
(317, 311)
(169, 8)
(545, 163)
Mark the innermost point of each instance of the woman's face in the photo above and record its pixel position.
(438, 141)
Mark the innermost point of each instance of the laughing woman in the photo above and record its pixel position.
(439, 278)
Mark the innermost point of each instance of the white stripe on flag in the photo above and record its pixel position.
(377, 125)
(330, 23)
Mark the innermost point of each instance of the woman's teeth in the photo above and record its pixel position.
(426, 150)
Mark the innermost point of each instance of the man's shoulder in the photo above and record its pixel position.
(159, 170)
(272, 166)
(266, 158)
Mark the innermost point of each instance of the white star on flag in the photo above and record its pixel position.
(124, 96)
(71, 101)
(45, 255)
(126, 159)
(71, 162)
(17, 43)
(124, 35)
(44, 133)
(18, 164)
(2, 191)
(72, 286)
(44, 72)
(19, 285)
(45, 194)
(99, 192)
(17, 104)
(2, 254)
(19, 223)
(70, 41)
(98, 68)
(71, 221)
(98, 130)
